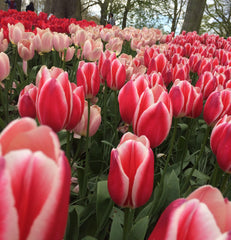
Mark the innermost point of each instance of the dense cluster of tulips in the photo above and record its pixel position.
(85, 109)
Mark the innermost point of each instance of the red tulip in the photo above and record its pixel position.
(220, 143)
(130, 93)
(186, 99)
(34, 182)
(117, 75)
(54, 99)
(207, 83)
(131, 174)
(26, 101)
(180, 71)
(216, 106)
(78, 106)
(204, 214)
(88, 77)
(153, 115)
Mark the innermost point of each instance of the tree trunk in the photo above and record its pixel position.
(193, 16)
(173, 28)
(104, 12)
(18, 4)
(63, 9)
(127, 9)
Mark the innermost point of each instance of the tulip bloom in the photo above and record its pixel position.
(54, 100)
(32, 165)
(26, 49)
(131, 173)
(4, 66)
(61, 41)
(153, 115)
(186, 100)
(220, 143)
(88, 77)
(216, 106)
(204, 214)
(43, 40)
(16, 32)
(92, 49)
(130, 93)
(95, 121)
(117, 75)
(26, 101)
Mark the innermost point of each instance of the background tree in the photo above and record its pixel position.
(217, 18)
(193, 15)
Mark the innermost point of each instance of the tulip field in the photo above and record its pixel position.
(110, 133)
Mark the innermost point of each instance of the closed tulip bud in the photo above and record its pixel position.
(32, 165)
(117, 75)
(153, 115)
(155, 78)
(3, 41)
(4, 66)
(180, 71)
(104, 63)
(16, 32)
(88, 77)
(204, 214)
(54, 99)
(26, 101)
(61, 41)
(78, 107)
(92, 49)
(69, 54)
(207, 83)
(95, 121)
(216, 106)
(186, 99)
(43, 40)
(26, 49)
(130, 93)
(115, 44)
(150, 53)
(131, 173)
(220, 143)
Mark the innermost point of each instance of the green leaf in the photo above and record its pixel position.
(138, 230)
(104, 205)
(116, 231)
(89, 238)
(72, 229)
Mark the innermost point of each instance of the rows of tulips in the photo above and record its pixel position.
(85, 110)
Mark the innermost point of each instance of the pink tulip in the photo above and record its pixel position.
(216, 106)
(155, 78)
(150, 53)
(115, 44)
(16, 32)
(78, 107)
(80, 37)
(194, 62)
(4, 66)
(204, 214)
(92, 49)
(220, 142)
(207, 83)
(153, 115)
(43, 40)
(180, 71)
(186, 100)
(54, 99)
(32, 165)
(26, 101)
(26, 49)
(88, 77)
(61, 41)
(95, 121)
(116, 76)
(70, 51)
(131, 173)
(130, 93)
(3, 41)
(104, 63)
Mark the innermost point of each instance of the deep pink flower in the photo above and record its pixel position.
(131, 174)
(32, 165)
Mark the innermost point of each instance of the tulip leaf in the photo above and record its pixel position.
(116, 231)
(138, 230)
(89, 238)
(72, 229)
(104, 205)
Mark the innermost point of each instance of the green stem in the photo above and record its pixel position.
(198, 158)
(213, 181)
(64, 57)
(172, 141)
(116, 111)
(68, 146)
(128, 222)
(224, 182)
(105, 117)
(86, 169)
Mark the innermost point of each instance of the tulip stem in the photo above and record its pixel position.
(64, 58)
(104, 116)
(171, 146)
(198, 158)
(68, 147)
(128, 222)
(116, 117)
